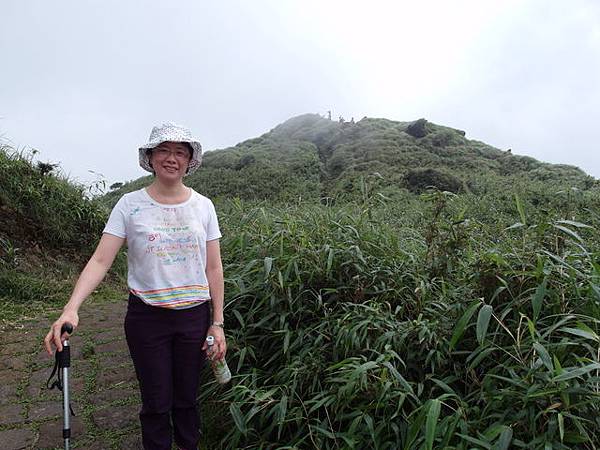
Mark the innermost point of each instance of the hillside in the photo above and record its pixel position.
(48, 227)
(310, 157)
(376, 319)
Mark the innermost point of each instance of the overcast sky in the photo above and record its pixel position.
(84, 81)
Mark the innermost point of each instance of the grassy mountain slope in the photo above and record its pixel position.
(309, 157)
(47, 230)
(390, 320)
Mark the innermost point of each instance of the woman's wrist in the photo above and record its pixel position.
(217, 317)
(70, 309)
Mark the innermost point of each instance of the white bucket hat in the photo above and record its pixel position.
(170, 132)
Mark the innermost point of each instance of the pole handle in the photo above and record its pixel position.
(66, 327)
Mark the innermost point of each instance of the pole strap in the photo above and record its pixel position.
(61, 360)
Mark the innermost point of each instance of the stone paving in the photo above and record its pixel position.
(103, 386)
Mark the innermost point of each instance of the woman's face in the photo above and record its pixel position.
(170, 160)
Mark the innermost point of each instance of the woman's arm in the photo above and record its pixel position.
(214, 275)
(89, 279)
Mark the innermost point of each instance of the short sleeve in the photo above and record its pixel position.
(212, 227)
(116, 224)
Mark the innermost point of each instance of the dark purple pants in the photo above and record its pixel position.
(166, 348)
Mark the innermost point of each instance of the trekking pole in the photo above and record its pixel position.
(62, 364)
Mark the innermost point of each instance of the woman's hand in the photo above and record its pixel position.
(220, 348)
(53, 337)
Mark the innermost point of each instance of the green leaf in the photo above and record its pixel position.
(462, 323)
(544, 356)
(483, 320)
(478, 355)
(242, 356)
(580, 371)
(431, 424)
(330, 260)
(561, 426)
(444, 386)
(286, 341)
(575, 438)
(557, 364)
(268, 263)
(574, 224)
(583, 331)
(323, 431)
(473, 440)
(531, 327)
(570, 232)
(505, 439)
(407, 387)
(236, 413)
(239, 317)
(282, 408)
(520, 209)
(538, 299)
(514, 226)
(369, 421)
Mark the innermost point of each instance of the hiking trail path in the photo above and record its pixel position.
(104, 392)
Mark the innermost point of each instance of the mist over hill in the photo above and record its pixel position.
(309, 157)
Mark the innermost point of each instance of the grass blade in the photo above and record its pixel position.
(462, 323)
(568, 374)
(544, 356)
(582, 331)
(505, 439)
(538, 299)
(431, 424)
(520, 209)
(483, 320)
(268, 263)
(236, 413)
(561, 426)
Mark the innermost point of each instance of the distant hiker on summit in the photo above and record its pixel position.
(175, 280)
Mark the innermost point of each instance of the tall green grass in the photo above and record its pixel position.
(48, 227)
(49, 208)
(376, 320)
(429, 324)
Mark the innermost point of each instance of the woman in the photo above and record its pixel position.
(174, 274)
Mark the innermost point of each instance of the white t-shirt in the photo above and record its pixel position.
(166, 254)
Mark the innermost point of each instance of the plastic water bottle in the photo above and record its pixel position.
(219, 366)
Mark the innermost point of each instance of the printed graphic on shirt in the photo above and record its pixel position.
(172, 245)
(166, 248)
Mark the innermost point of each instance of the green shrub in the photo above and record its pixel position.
(418, 128)
(419, 180)
(54, 211)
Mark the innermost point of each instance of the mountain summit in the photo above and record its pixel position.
(311, 157)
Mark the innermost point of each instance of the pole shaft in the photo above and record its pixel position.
(66, 402)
